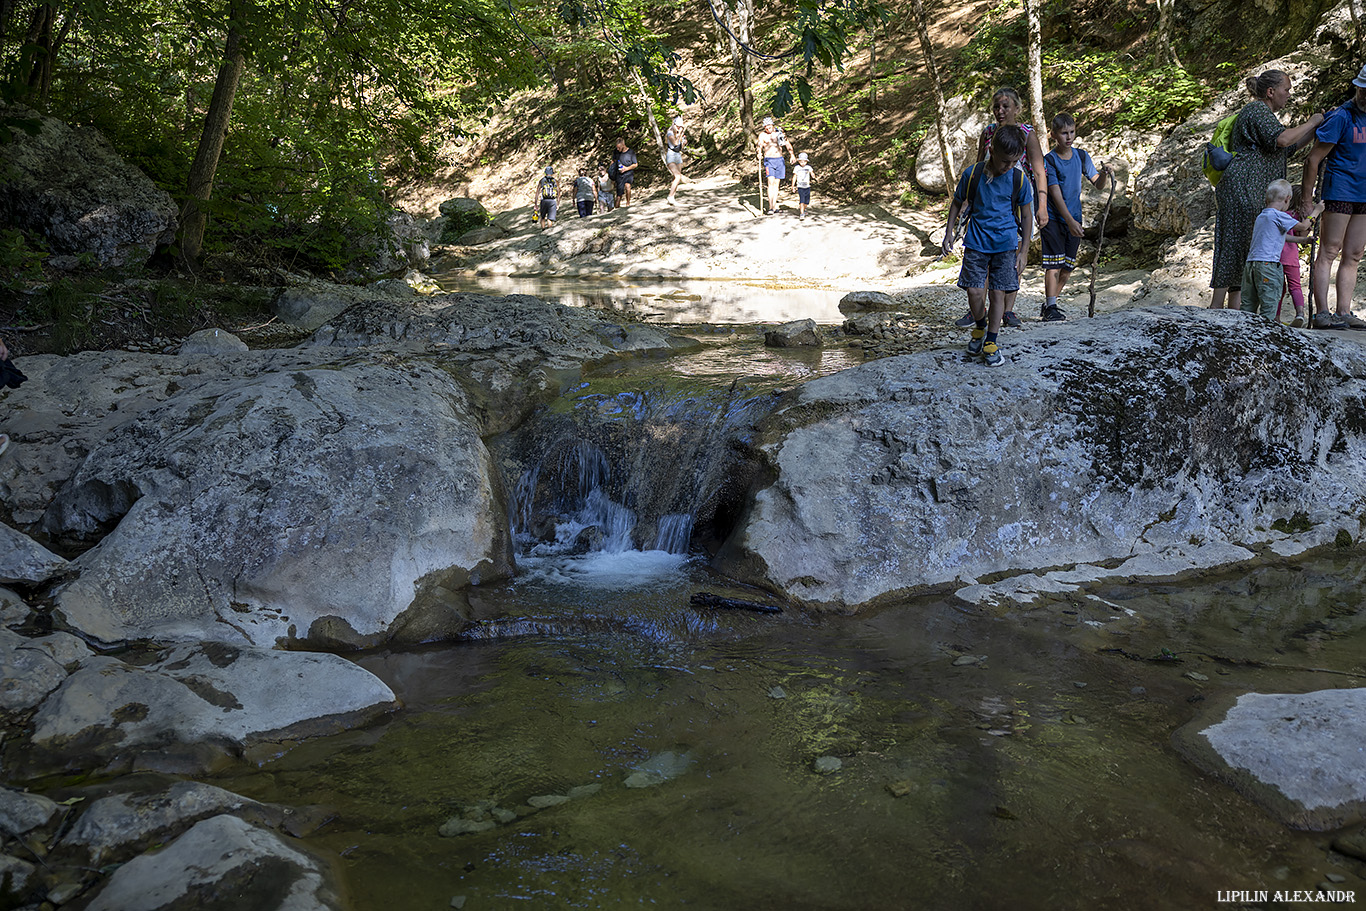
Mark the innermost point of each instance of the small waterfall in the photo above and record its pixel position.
(628, 479)
(674, 532)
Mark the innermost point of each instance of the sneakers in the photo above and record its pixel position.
(1352, 321)
(991, 355)
(1052, 314)
(965, 321)
(1297, 322)
(1011, 320)
(1328, 321)
(975, 345)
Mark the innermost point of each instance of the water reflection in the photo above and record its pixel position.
(667, 301)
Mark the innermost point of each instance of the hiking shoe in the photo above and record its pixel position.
(975, 344)
(1011, 320)
(1352, 321)
(965, 321)
(991, 355)
(1297, 322)
(1053, 314)
(1328, 321)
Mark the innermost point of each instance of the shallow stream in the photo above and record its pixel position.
(1039, 776)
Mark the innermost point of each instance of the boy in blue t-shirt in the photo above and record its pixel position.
(995, 194)
(1263, 275)
(1065, 167)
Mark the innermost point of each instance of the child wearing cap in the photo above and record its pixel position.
(674, 140)
(802, 175)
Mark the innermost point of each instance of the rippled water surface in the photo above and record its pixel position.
(1040, 776)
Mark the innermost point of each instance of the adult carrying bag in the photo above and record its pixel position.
(1219, 152)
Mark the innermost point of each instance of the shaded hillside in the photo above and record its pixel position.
(866, 123)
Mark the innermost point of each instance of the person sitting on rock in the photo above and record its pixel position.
(993, 192)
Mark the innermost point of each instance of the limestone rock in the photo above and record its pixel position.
(966, 116)
(13, 610)
(221, 856)
(23, 559)
(28, 672)
(70, 186)
(862, 301)
(108, 711)
(115, 827)
(22, 813)
(796, 334)
(402, 244)
(269, 506)
(211, 342)
(1298, 755)
(1140, 430)
(476, 236)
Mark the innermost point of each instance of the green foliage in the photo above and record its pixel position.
(1150, 95)
(19, 261)
(72, 309)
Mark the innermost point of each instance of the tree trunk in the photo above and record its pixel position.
(648, 110)
(1035, 38)
(940, 108)
(193, 218)
(1164, 52)
(872, 70)
(1356, 19)
(738, 19)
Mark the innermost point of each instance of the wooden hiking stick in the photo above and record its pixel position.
(761, 186)
(1313, 243)
(1100, 239)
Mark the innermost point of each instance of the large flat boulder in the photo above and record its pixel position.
(109, 712)
(298, 504)
(1098, 441)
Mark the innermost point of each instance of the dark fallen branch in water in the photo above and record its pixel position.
(716, 602)
(1166, 655)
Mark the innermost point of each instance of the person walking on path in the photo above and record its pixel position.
(674, 140)
(1006, 108)
(606, 198)
(585, 191)
(1066, 166)
(547, 198)
(802, 175)
(1261, 145)
(1340, 145)
(993, 250)
(626, 163)
(771, 143)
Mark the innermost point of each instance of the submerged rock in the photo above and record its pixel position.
(1298, 755)
(658, 769)
(1099, 440)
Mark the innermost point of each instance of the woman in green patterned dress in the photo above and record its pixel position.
(1261, 145)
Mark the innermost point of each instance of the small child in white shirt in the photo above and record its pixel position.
(802, 175)
(1263, 274)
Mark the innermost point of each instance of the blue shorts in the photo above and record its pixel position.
(804, 195)
(980, 267)
(776, 167)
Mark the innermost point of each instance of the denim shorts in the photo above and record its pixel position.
(673, 157)
(980, 267)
